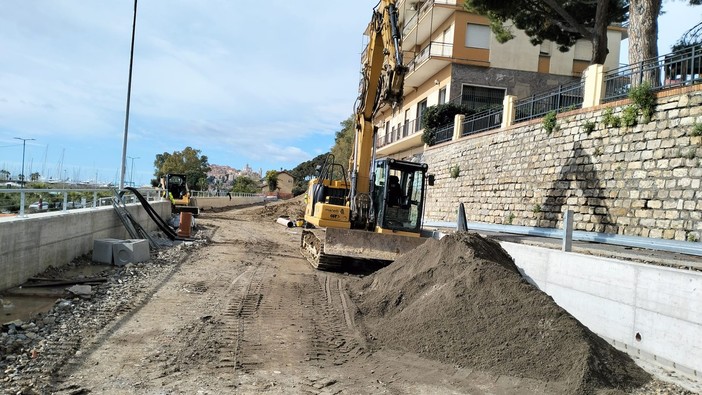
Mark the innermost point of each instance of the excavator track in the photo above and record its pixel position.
(343, 250)
(312, 248)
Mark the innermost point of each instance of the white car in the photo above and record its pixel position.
(39, 206)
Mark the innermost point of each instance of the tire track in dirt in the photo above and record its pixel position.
(69, 353)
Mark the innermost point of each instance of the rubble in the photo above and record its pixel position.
(32, 352)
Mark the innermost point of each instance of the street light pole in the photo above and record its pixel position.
(131, 173)
(129, 96)
(24, 144)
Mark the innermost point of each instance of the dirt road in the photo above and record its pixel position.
(247, 314)
(244, 314)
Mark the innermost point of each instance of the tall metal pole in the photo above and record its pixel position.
(129, 97)
(24, 144)
(131, 173)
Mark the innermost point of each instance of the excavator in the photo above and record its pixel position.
(370, 214)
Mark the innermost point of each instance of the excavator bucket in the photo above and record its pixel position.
(349, 249)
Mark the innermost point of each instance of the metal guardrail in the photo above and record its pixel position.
(682, 67)
(35, 200)
(565, 98)
(677, 246)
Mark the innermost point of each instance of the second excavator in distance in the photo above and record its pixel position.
(372, 212)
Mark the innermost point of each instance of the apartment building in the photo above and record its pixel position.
(453, 55)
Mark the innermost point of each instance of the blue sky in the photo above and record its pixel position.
(245, 84)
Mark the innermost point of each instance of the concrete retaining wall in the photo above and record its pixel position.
(619, 300)
(33, 244)
(208, 203)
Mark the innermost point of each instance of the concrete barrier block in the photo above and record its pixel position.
(102, 250)
(131, 251)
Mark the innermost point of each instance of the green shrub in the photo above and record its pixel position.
(611, 120)
(629, 116)
(550, 123)
(589, 126)
(645, 101)
(696, 130)
(455, 171)
(436, 117)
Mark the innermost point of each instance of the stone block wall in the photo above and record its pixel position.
(642, 180)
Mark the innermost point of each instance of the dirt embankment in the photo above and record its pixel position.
(462, 300)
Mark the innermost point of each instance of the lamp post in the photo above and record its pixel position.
(131, 173)
(129, 96)
(24, 144)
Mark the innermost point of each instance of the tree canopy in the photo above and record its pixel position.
(560, 21)
(304, 172)
(272, 180)
(188, 162)
(343, 142)
(244, 184)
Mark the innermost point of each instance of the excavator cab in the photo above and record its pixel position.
(399, 196)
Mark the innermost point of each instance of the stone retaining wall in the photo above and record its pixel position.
(642, 180)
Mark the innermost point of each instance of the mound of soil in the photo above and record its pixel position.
(292, 208)
(462, 300)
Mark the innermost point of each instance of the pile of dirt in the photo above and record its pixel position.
(292, 208)
(462, 300)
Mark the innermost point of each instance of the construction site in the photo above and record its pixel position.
(542, 245)
(238, 309)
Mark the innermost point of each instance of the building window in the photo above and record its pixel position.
(478, 36)
(480, 98)
(583, 50)
(421, 109)
(442, 95)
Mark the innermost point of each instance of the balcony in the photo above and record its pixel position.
(419, 24)
(428, 62)
(399, 138)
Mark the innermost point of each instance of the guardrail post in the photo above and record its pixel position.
(509, 112)
(22, 202)
(94, 199)
(568, 231)
(65, 200)
(458, 126)
(594, 85)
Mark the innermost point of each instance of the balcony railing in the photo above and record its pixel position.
(435, 48)
(412, 21)
(398, 133)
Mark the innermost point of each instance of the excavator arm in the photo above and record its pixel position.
(383, 75)
(375, 214)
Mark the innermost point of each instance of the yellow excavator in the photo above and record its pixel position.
(372, 213)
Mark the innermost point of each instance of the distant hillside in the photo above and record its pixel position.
(227, 174)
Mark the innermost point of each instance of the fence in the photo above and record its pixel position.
(221, 193)
(484, 120)
(682, 67)
(566, 97)
(28, 200)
